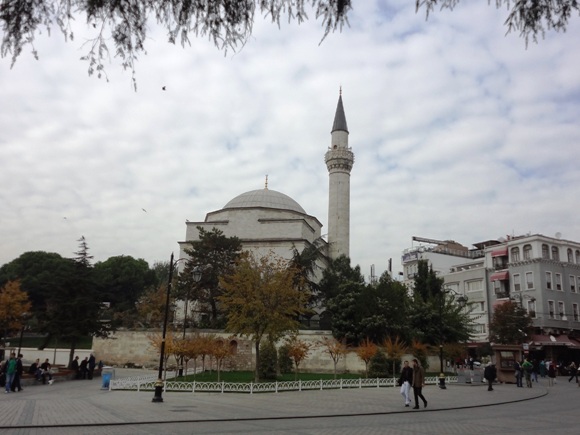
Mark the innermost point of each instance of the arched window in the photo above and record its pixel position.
(515, 254)
(545, 252)
(555, 253)
(570, 256)
(234, 347)
(527, 252)
(577, 256)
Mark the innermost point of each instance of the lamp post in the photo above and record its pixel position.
(461, 301)
(24, 317)
(196, 278)
(158, 396)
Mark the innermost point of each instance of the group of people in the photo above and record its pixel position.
(86, 368)
(413, 377)
(12, 369)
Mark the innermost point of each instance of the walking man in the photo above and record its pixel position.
(17, 375)
(418, 382)
(10, 371)
(405, 382)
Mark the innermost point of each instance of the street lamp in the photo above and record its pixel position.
(196, 278)
(24, 317)
(461, 301)
(159, 384)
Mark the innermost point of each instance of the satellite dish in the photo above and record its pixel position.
(501, 239)
(558, 235)
(552, 338)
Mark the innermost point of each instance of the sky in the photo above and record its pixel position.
(460, 132)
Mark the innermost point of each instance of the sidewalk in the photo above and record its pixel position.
(84, 403)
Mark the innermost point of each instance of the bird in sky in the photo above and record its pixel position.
(163, 88)
(144, 210)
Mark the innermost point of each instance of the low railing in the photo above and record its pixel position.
(147, 383)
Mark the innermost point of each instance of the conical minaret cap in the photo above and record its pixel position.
(339, 117)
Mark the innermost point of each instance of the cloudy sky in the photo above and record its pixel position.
(459, 132)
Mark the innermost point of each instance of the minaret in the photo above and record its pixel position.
(339, 160)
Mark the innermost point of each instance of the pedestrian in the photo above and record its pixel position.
(551, 374)
(10, 370)
(18, 375)
(518, 374)
(489, 374)
(527, 368)
(83, 368)
(535, 370)
(91, 366)
(418, 382)
(405, 382)
(542, 369)
(573, 370)
(75, 367)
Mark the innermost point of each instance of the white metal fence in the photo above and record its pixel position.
(147, 383)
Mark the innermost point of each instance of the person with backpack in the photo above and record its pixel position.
(527, 368)
(489, 374)
(518, 374)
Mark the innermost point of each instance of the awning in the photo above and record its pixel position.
(500, 252)
(500, 276)
(552, 340)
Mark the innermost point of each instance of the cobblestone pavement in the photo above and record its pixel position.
(83, 407)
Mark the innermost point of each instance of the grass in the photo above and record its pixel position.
(247, 377)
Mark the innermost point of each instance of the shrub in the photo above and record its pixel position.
(284, 361)
(268, 360)
(379, 365)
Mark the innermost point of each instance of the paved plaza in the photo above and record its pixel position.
(83, 407)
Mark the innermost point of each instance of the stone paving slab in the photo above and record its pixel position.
(85, 403)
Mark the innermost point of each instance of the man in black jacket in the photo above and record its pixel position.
(18, 375)
(490, 373)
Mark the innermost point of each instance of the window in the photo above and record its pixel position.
(473, 286)
(558, 281)
(549, 280)
(577, 256)
(515, 254)
(497, 287)
(572, 283)
(551, 309)
(532, 308)
(478, 328)
(482, 307)
(517, 282)
(555, 253)
(545, 252)
(561, 310)
(528, 252)
(575, 311)
(529, 280)
(570, 256)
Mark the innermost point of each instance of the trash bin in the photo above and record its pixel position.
(107, 374)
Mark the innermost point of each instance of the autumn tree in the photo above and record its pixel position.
(510, 324)
(172, 347)
(334, 348)
(260, 299)
(298, 351)
(220, 350)
(151, 306)
(14, 307)
(365, 351)
(395, 349)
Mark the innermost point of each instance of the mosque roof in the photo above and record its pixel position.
(265, 198)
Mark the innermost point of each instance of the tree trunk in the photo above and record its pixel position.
(71, 355)
(257, 374)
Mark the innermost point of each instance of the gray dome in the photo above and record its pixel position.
(265, 198)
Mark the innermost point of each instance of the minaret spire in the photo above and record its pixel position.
(339, 160)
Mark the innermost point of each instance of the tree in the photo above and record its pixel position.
(335, 349)
(14, 306)
(510, 324)
(395, 350)
(220, 351)
(379, 365)
(228, 24)
(366, 350)
(122, 280)
(260, 298)
(75, 309)
(151, 306)
(171, 347)
(216, 254)
(297, 350)
(530, 18)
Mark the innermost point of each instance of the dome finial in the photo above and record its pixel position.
(266, 186)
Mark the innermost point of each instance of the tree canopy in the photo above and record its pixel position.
(510, 324)
(122, 27)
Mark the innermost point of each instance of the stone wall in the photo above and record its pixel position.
(133, 347)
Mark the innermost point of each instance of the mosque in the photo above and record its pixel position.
(269, 221)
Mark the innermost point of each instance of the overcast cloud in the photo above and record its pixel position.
(459, 132)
